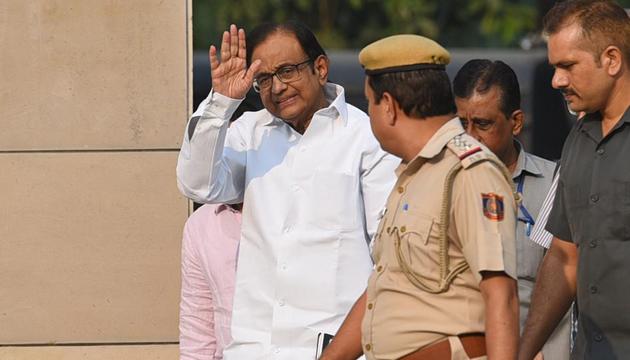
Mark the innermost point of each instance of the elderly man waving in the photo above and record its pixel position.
(314, 180)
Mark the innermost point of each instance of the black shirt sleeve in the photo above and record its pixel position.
(558, 223)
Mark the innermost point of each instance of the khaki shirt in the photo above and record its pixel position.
(400, 317)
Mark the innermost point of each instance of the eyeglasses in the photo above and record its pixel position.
(285, 74)
(479, 124)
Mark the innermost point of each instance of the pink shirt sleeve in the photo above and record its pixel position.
(208, 267)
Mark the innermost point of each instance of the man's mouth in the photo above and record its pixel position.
(286, 101)
(568, 94)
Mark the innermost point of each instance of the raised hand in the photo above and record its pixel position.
(230, 77)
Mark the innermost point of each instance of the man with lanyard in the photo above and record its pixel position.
(488, 101)
(313, 179)
(444, 285)
(589, 47)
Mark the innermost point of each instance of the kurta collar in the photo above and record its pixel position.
(335, 97)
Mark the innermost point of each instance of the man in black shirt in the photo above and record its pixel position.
(589, 47)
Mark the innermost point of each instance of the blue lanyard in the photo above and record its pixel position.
(524, 215)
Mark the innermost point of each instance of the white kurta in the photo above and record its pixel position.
(311, 207)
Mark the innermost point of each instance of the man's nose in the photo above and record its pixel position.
(559, 80)
(475, 135)
(277, 85)
(472, 131)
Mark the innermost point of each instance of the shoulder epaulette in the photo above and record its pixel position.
(467, 150)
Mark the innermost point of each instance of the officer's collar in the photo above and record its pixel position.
(434, 146)
(438, 141)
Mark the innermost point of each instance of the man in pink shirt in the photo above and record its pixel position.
(209, 253)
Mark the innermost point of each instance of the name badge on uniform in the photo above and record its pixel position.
(492, 206)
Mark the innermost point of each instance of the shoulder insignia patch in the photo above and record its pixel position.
(467, 151)
(493, 207)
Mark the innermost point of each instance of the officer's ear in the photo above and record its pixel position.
(390, 107)
(517, 118)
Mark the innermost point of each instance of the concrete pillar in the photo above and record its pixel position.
(94, 96)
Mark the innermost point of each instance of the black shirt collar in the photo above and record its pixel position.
(591, 124)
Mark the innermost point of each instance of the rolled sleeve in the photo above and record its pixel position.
(487, 241)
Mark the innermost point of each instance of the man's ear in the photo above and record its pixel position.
(391, 108)
(517, 118)
(321, 68)
(612, 60)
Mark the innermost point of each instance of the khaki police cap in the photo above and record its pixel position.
(403, 53)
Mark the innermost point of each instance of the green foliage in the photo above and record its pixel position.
(354, 23)
(501, 23)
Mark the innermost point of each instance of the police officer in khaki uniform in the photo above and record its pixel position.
(444, 281)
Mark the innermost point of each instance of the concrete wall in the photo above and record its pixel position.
(94, 96)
